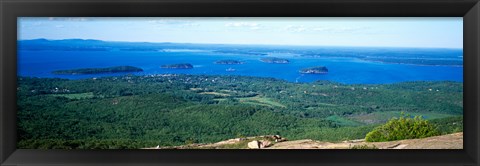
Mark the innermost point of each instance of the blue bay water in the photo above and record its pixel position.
(343, 70)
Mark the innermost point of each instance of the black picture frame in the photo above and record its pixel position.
(11, 9)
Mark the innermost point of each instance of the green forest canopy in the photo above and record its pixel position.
(144, 111)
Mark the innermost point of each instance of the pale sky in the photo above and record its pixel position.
(439, 32)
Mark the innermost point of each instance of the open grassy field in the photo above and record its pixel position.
(76, 96)
(264, 101)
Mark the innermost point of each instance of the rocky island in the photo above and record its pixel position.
(116, 69)
(178, 66)
(274, 60)
(315, 70)
(229, 62)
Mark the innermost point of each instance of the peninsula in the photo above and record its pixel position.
(116, 69)
(274, 60)
(229, 62)
(178, 66)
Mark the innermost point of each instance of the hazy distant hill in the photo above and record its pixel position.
(417, 56)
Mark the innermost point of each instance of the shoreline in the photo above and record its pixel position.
(196, 75)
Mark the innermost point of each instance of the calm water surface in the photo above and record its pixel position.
(343, 70)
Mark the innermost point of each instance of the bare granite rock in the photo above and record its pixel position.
(254, 145)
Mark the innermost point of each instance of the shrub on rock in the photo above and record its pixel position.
(401, 128)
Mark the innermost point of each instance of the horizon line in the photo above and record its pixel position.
(253, 44)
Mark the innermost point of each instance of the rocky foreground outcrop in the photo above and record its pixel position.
(449, 141)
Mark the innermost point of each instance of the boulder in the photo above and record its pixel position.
(281, 140)
(265, 143)
(254, 145)
(278, 138)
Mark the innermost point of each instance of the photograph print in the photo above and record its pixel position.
(240, 83)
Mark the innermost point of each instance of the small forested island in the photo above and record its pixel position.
(116, 69)
(178, 66)
(417, 61)
(229, 62)
(274, 60)
(315, 70)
